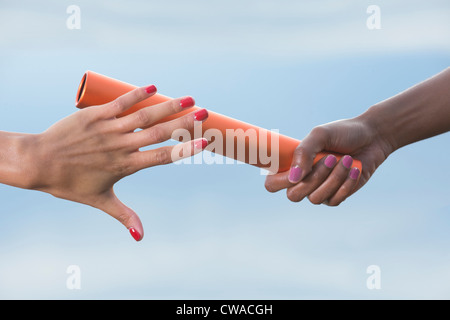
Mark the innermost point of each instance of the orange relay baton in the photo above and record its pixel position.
(97, 89)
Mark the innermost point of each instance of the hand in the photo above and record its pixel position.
(328, 181)
(81, 157)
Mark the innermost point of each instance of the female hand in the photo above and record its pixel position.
(418, 113)
(81, 157)
(329, 181)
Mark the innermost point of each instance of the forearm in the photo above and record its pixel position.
(16, 159)
(420, 112)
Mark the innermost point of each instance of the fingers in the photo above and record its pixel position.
(145, 117)
(346, 189)
(305, 154)
(163, 131)
(336, 180)
(109, 203)
(302, 162)
(127, 100)
(330, 182)
(168, 154)
(115, 208)
(313, 180)
(277, 182)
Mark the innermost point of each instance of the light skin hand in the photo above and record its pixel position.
(418, 113)
(81, 157)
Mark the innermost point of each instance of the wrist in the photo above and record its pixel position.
(35, 166)
(28, 147)
(415, 114)
(17, 161)
(379, 124)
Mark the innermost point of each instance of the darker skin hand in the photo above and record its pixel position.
(418, 113)
(330, 181)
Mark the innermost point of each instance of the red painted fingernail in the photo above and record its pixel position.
(150, 89)
(201, 115)
(354, 173)
(201, 144)
(187, 102)
(347, 161)
(136, 235)
(330, 161)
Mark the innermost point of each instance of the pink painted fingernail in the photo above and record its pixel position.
(201, 144)
(354, 173)
(295, 174)
(347, 161)
(330, 161)
(187, 102)
(201, 115)
(150, 89)
(136, 235)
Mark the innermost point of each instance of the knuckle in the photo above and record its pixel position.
(143, 118)
(344, 189)
(319, 131)
(316, 175)
(156, 135)
(85, 118)
(117, 105)
(163, 157)
(300, 150)
(124, 218)
(187, 122)
(337, 179)
(121, 126)
(90, 115)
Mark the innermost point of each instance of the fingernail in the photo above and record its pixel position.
(201, 115)
(150, 89)
(187, 102)
(354, 173)
(136, 235)
(294, 174)
(330, 161)
(347, 161)
(201, 144)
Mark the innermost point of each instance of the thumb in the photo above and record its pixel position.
(115, 208)
(304, 155)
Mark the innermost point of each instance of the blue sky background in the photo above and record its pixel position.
(287, 65)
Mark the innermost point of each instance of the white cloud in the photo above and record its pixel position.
(287, 28)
